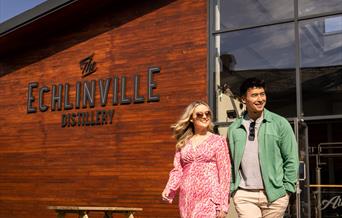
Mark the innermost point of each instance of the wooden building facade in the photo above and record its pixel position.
(89, 90)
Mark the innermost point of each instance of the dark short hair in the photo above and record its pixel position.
(252, 82)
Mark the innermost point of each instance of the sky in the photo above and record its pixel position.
(11, 8)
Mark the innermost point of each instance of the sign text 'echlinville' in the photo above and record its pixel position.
(84, 96)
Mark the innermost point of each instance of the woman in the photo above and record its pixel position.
(201, 166)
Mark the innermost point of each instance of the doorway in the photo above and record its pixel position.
(321, 190)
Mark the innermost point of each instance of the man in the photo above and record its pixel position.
(264, 157)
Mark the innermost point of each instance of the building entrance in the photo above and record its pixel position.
(321, 189)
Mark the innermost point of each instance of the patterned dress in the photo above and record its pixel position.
(202, 175)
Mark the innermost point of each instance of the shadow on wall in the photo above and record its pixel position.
(69, 26)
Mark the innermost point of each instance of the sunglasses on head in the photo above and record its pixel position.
(251, 135)
(201, 114)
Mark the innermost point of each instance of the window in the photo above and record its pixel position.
(254, 12)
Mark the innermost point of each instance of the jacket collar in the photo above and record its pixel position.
(267, 117)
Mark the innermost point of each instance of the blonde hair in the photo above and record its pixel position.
(183, 130)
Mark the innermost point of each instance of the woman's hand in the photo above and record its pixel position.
(220, 214)
(165, 196)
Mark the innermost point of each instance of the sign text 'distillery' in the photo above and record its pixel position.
(85, 96)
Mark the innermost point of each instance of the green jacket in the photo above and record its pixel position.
(278, 154)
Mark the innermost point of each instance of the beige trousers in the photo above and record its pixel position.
(253, 204)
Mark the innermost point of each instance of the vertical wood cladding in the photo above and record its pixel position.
(125, 163)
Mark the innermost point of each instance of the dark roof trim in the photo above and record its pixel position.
(32, 15)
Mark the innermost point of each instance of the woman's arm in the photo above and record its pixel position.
(174, 179)
(223, 166)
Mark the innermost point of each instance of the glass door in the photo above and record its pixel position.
(319, 191)
(325, 159)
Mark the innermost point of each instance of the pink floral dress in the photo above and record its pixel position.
(202, 175)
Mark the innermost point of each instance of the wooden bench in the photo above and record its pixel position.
(84, 211)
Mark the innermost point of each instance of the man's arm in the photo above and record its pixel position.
(289, 152)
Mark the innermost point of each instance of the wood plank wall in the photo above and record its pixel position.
(121, 164)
